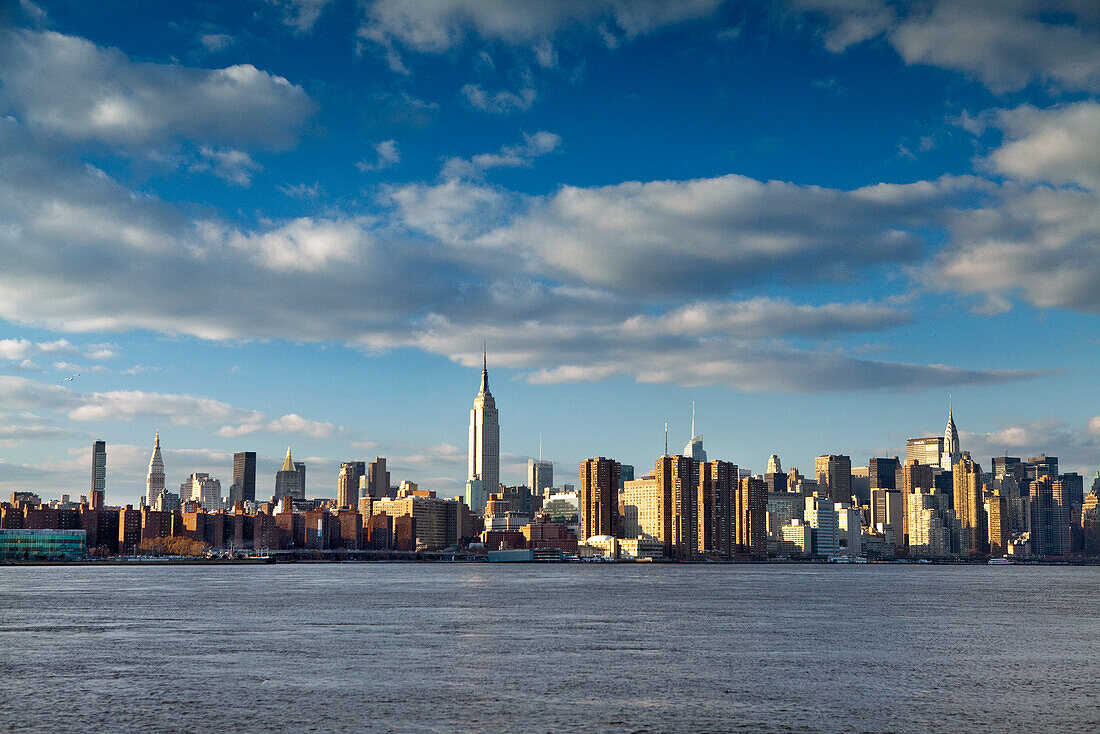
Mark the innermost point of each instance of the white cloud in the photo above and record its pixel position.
(1006, 44)
(302, 191)
(387, 155)
(68, 86)
(501, 102)
(291, 423)
(215, 42)
(509, 156)
(23, 349)
(1075, 446)
(232, 166)
(301, 15)
(1060, 145)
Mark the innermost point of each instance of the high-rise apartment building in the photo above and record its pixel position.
(969, 506)
(243, 488)
(202, 488)
(999, 523)
(752, 517)
(99, 466)
(347, 484)
(1050, 517)
(598, 497)
(484, 454)
(678, 478)
(717, 508)
(154, 480)
(288, 480)
(834, 473)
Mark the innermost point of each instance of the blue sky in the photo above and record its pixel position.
(274, 222)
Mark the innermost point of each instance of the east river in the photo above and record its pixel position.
(549, 648)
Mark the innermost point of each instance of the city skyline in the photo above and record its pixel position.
(250, 225)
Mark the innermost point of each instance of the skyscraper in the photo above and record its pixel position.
(378, 478)
(288, 481)
(694, 448)
(969, 506)
(951, 451)
(243, 488)
(928, 450)
(99, 466)
(154, 481)
(717, 507)
(834, 472)
(540, 475)
(347, 485)
(752, 517)
(484, 455)
(300, 467)
(678, 479)
(598, 499)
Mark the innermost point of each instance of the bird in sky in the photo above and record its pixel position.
(71, 377)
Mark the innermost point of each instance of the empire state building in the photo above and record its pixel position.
(484, 463)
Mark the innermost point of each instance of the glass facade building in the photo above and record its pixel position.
(20, 543)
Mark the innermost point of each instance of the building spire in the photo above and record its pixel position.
(484, 370)
(692, 420)
(288, 463)
(156, 442)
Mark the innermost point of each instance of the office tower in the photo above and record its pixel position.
(154, 480)
(927, 451)
(1090, 520)
(378, 478)
(540, 475)
(717, 508)
(969, 507)
(202, 488)
(887, 509)
(694, 448)
(752, 517)
(883, 472)
(484, 454)
(626, 474)
(951, 450)
(678, 479)
(774, 465)
(598, 498)
(1050, 532)
(1009, 466)
(834, 473)
(999, 521)
(776, 481)
(347, 484)
(288, 481)
(300, 467)
(99, 466)
(1074, 488)
(1042, 466)
(243, 488)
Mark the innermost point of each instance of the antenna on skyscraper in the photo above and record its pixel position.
(666, 438)
(540, 448)
(692, 420)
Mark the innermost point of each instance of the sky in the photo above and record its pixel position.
(263, 223)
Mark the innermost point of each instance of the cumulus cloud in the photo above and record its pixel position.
(69, 87)
(232, 166)
(1059, 145)
(717, 235)
(301, 15)
(18, 350)
(1006, 45)
(1075, 445)
(128, 405)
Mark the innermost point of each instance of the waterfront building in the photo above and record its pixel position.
(484, 453)
(797, 539)
(32, 543)
(849, 530)
(1050, 518)
(347, 484)
(563, 507)
(643, 509)
(969, 507)
(717, 508)
(930, 531)
(598, 497)
(887, 508)
(243, 488)
(834, 475)
(154, 480)
(783, 508)
(752, 518)
(822, 518)
(99, 467)
(288, 480)
(999, 522)
(928, 451)
(438, 522)
(678, 479)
